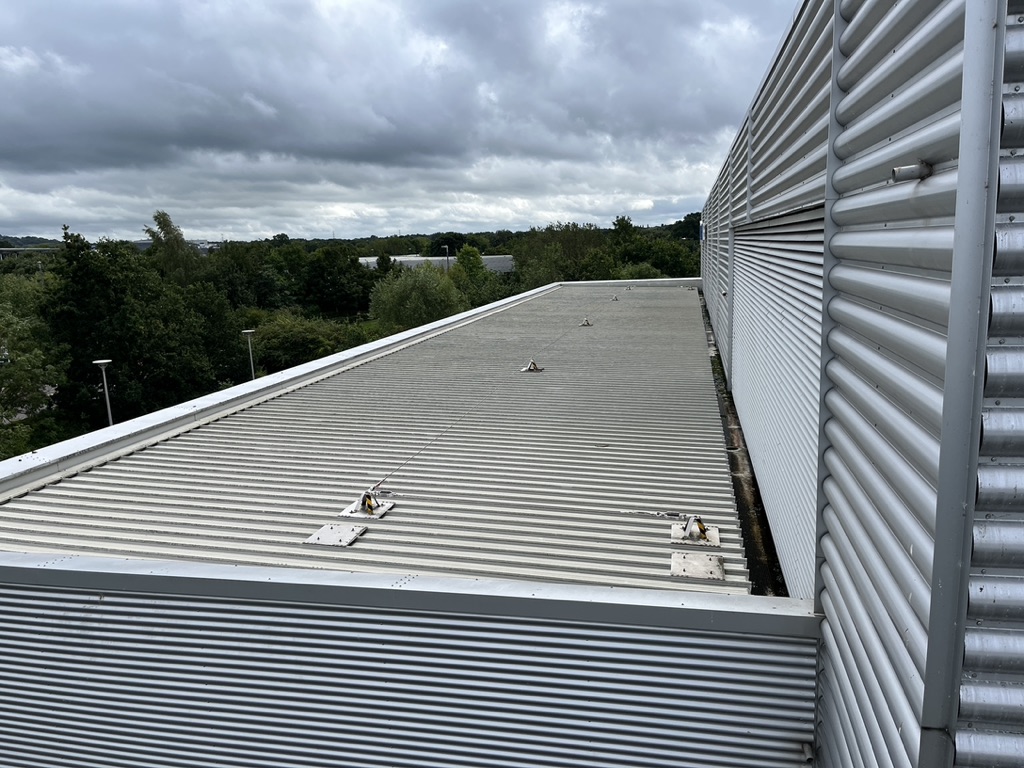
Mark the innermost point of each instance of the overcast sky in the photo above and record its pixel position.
(244, 118)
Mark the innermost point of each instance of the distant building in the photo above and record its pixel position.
(497, 263)
(204, 246)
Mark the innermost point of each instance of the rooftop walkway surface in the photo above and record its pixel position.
(572, 474)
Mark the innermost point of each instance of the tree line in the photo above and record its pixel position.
(171, 318)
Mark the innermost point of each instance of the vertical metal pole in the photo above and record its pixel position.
(106, 390)
(962, 399)
(106, 395)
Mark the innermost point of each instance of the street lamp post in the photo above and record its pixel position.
(445, 257)
(248, 337)
(106, 390)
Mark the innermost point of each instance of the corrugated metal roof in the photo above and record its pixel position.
(561, 475)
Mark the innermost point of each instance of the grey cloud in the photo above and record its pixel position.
(265, 109)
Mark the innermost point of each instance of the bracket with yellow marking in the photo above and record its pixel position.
(368, 506)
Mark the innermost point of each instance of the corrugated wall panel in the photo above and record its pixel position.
(775, 279)
(991, 717)
(777, 164)
(715, 267)
(739, 180)
(889, 294)
(911, 213)
(725, 209)
(120, 678)
(777, 328)
(789, 120)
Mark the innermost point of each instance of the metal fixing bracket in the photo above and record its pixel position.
(698, 565)
(367, 506)
(694, 532)
(336, 535)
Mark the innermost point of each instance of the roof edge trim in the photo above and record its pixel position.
(695, 611)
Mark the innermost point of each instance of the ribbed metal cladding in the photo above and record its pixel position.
(775, 281)
(100, 679)
(789, 120)
(908, 230)
(991, 720)
(561, 475)
(889, 307)
(727, 207)
(777, 327)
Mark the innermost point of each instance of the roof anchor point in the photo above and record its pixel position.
(367, 503)
(695, 528)
(586, 323)
(694, 532)
(531, 368)
(368, 506)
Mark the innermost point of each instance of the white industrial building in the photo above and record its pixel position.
(494, 262)
(201, 587)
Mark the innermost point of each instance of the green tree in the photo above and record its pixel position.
(446, 242)
(111, 302)
(411, 297)
(249, 275)
(642, 271)
(687, 228)
(559, 252)
(286, 339)
(337, 283)
(177, 258)
(385, 264)
(31, 367)
(217, 333)
(477, 283)
(675, 258)
(535, 266)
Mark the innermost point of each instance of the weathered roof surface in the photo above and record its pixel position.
(558, 475)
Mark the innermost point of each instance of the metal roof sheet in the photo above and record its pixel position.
(560, 475)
